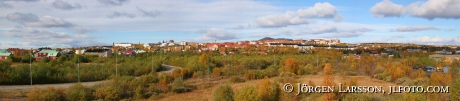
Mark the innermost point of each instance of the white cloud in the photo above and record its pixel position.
(238, 27)
(212, 34)
(113, 2)
(386, 8)
(435, 40)
(121, 14)
(431, 9)
(59, 4)
(427, 39)
(152, 14)
(328, 29)
(32, 20)
(415, 28)
(348, 33)
(49, 21)
(23, 0)
(270, 34)
(279, 20)
(40, 38)
(5, 5)
(450, 30)
(319, 10)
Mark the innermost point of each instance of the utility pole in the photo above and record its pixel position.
(152, 62)
(30, 65)
(116, 64)
(316, 59)
(209, 69)
(78, 60)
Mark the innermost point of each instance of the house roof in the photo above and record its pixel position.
(4, 52)
(50, 52)
(97, 50)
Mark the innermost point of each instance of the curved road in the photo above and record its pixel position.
(168, 68)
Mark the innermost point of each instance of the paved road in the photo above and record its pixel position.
(168, 68)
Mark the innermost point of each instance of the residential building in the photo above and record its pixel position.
(51, 54)
(129, 52)
(448, 58)
(4, 54)
(126, 45)
(99, 52)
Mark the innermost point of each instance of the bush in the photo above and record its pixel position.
(178, 86)
(139, 92)
(404, 80)
(357, 97)
(48, 94)
(106, 93)
(223, 93)
(268, 91)
(249, 75)
(78, 92)
(236, 79)
(247, 93)
(216, 72)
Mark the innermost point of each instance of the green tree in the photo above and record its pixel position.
(224, 93)
(247, 93)
(78, 92)
(455, 91)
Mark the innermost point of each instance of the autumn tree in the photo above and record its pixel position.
(216, 72)
(224, 93)
(247, 93)
(249, 74)
(106, 93)
(420, 73)
(291, 65)
(328, 80)
(455, 91)
(268, 91)
(204, 58)
(78, 92)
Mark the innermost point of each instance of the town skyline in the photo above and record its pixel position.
(66, 24)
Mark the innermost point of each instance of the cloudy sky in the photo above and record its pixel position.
(75, 23)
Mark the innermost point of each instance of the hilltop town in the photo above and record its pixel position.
(263, 46)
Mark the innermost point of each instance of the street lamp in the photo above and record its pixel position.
(116, 64)
(30, 65)
(78, 60)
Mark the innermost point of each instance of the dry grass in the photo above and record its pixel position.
(13, 95)
(207, 94)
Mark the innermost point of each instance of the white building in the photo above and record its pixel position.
(126, 45)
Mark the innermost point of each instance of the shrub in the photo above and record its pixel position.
(455, 91)
(403, 80)
(216, 72)
(236, 79)
(223, 93)
(249, 74)
(247, 93)
(78, 92)
(178, 86)
(139, 92)
(48, 94)
(106, 93)
(268, 91)
(176, 73)
(357, 97)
